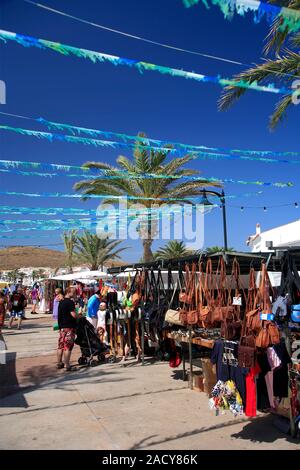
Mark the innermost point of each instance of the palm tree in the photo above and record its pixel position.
(40, 273)
(134, 183)
(284, 66)
(94, 251)
(70, 239)
(216, 249)
(173, 249)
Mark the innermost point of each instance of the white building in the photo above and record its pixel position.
(284, 235)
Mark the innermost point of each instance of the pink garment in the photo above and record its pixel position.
(274, 362)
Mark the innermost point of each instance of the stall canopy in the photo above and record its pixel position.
(82, 276)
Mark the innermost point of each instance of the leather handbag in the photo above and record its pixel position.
(193, 314)
(263, 340)
(205, 295)
(274, 333)
(246, 348)
(173, 316)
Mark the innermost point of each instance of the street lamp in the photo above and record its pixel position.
(205, 202)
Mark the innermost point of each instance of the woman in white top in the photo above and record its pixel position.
(101, 314)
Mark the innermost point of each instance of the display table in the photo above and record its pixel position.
(190, 340)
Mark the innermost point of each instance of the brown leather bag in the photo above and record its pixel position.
(261, 303)
(222, 310)
(274, 333)
(263, 340)
(193, 314)
(205, 296)
(247, 348)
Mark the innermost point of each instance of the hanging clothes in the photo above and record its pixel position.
(274, 362)
(263, 402)
(251, 401)
(225, 370)
(280, 375)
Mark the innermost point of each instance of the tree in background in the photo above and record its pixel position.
(136, 184)
(173, 249)
(216, 249)
(95, 251)
(283, 63)
(70, 239)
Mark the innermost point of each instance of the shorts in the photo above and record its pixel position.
(16, 314)
(66, 339)
(34, 301)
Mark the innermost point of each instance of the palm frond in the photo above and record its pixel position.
(280, 111)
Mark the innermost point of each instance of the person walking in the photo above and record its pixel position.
(57, 298)
(2, 310)
(34, 295)
(92, 309)
(17, 304)
(67, 325)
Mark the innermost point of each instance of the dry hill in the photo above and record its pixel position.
(15, 257)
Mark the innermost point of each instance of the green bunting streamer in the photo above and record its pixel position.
(290, 18)
(102, 143)
(94, 56)
(130, 176)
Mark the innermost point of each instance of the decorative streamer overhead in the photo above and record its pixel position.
(156, 144)
(77, 140)
(28, 41)
(289, 18)
(124, 175)
(16, 210)
(107, 144)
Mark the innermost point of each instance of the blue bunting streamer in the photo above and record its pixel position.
(94, 56)
(127, 175)
(95, 142)
(290, 18)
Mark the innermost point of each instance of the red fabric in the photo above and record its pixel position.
(250, 409)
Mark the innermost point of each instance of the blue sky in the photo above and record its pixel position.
(72, 90)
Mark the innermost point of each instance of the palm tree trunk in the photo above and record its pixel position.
(148, 255)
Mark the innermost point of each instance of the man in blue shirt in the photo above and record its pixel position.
(92, 309)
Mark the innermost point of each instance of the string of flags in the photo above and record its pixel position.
(13, 165)
(290, 18)
(141, 66)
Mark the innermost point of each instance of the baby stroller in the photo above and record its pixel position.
(90, 344)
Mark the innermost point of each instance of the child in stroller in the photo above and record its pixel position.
(90, 344)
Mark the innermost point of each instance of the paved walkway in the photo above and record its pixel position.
(110, 406)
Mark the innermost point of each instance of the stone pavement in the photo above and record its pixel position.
(112, 407)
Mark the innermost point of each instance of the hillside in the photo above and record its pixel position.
(16, 257)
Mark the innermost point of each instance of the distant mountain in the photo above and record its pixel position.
(16, 257)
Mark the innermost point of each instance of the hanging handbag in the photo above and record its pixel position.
(263, 340)
(274, 333)
(173, 316)
(193, 314)
(205, 295)
(246, 348)
(222, 309)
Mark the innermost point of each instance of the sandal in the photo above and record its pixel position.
(71, 369)
(60, 365)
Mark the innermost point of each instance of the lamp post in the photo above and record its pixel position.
(206, 202)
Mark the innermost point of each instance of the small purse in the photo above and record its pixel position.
(173, 316)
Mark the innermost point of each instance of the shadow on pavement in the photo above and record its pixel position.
(258, 430)
(9, 382)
